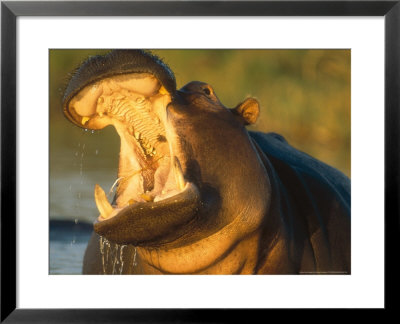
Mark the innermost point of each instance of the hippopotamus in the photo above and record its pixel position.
(197, 193)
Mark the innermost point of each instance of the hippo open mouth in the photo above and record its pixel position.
(151, 186)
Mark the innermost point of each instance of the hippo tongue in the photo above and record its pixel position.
(151, 222)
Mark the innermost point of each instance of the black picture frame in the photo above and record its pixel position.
(10, 10)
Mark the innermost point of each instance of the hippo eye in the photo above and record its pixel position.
(207, 91)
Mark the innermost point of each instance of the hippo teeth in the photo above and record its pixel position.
(102, 203)
(180, 180)
(107, 211)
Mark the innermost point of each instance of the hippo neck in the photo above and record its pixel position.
(288, 240)
(273, 250)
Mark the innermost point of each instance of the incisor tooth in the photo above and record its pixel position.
(102, 203)
(146, 197)
(84, 120)
(163, 90)
(180, 180)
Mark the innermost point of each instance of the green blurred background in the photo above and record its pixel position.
(304, 95)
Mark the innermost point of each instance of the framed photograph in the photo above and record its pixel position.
(319, 77)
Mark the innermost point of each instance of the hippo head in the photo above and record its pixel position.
(187, 167)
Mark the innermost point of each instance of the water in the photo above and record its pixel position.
(68, 241)
(76, 168)
(72, 213)
(77, 163)
(112, 256)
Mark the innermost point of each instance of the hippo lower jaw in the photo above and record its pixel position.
(146, 223)
(152, 197)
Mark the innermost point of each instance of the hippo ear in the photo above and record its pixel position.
(247, 111)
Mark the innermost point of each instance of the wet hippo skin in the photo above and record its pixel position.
(197, 193)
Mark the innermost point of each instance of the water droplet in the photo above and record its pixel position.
(114, 255)
(121, 254)
(134, 263)
(101, 241)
